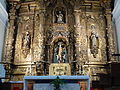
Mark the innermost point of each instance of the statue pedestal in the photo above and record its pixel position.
(59, 69)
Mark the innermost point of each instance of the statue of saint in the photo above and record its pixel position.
(59, 17)
(60, 53)
(60, 50)
(26, 40)
(94, 39)
(94, 44)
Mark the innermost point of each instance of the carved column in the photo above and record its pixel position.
(38, 36)
(77, 38)
(110, 34)
(80, 36)
(41, 28)
(8, 50)
(77, 33)
(9, 40)
(38, 42)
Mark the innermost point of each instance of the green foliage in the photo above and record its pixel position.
(57, 82)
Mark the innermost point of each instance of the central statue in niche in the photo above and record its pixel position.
(60, 53)
(59, 17)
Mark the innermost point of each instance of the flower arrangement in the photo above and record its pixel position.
(57, 82)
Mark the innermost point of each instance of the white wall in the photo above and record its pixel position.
(115, 2)
(116, 22)
(3, 23)
(3, 2)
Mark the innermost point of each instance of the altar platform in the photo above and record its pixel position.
(30, 81)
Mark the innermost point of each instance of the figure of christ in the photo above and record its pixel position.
(59, 55)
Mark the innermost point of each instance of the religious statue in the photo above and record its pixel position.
(64, 55)
(59, 17)
(94, 44)
(26, 40)
(60, 53)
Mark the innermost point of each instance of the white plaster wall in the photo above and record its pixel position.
(116, 22)
(3, 2)
(3, 23)
(116, 2)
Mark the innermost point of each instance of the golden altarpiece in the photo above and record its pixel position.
(58, 37)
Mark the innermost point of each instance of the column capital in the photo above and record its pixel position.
(106, 4)
(77, 11)
(108, 12)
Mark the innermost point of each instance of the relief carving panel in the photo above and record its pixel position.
(60, 69)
